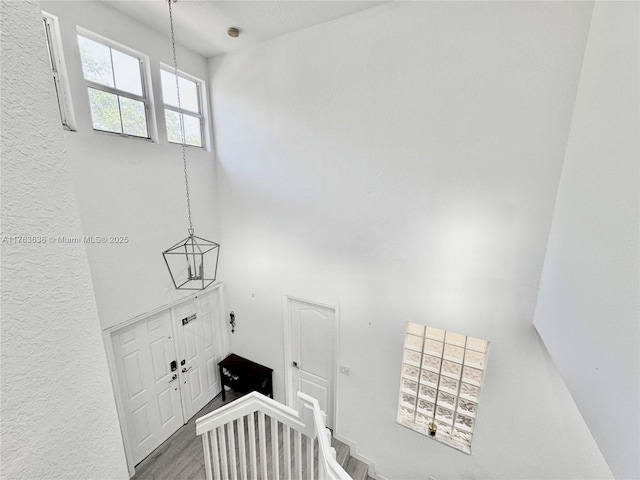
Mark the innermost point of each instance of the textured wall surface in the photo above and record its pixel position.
(402, 163)
(587, 311)
(58, 413)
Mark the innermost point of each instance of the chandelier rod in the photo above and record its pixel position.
(183, 137)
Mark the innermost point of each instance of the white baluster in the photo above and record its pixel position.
(309, 458)
(263, 446)
(207, 456)
(252, 447)
(232, 451)
(216, 454)
(298, 454)
(275, 450)
(223, 453)
(242, 448)
(287, 452)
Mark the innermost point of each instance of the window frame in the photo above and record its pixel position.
(58, 69)
(411, 388)
(200, 116)
(145, 98)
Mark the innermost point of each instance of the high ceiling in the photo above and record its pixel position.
(202, 25)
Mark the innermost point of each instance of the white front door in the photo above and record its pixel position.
(197, 324)
(143, 353)
(311, 361)
(153, 400)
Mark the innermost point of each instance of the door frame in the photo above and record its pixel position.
(107, 338)
(289, 390)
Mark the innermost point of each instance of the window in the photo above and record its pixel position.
(56, 62)
(115, 82)
(190, 112)
(442, 374)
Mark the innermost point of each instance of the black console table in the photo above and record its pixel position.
(245, 376)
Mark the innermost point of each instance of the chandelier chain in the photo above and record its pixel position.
(183, 137)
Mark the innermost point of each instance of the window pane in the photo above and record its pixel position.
(444, 414)
(413, 342)
(431, 363)
(407, 414)
(455, 339)
(427, 392)
(410, 372)
(449, 385)
(46, 36)
(474, 358)
(126, 70)
(464, 437)
(192, 131)
(477, 344)
(415, 329)
(446, 399)
(467, 407)
(426, 407)
(429, 378)
(409, 386)
(435, 333)
(169, 96)
(433, 346)
(105, 111)
(451, 369)
(189, 95)
(408, 401)
(173, 126)
(454, 353)
(188, 92)
(472, 375)
(96, 61)
(469, 391)
(412, 357)
(464, 423)
(134, 120)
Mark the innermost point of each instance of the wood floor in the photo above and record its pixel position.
(181, 457)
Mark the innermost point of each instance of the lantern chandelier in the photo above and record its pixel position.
(186, 259)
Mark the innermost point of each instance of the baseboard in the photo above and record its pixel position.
(353, 451)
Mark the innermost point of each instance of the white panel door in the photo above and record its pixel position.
(312, 353)
(197, 323)
(150, 393)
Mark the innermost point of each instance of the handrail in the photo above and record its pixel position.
(333, 469)
(309, 420)
(252, 402)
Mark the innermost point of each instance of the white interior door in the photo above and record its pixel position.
(199, 340)
(150, 393)
(312, 356)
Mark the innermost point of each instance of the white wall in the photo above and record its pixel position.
(587, 311)
(58, 414)
(402, 163)
(133, 187)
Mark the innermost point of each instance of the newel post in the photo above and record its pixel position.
(305, 410)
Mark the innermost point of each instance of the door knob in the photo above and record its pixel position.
(185, 370)
(295, 365)
(174, 377)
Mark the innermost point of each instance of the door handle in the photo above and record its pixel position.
(174, 377)
(295, 365)
(185, 370)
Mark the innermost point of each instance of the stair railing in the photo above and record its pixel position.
(256, 437)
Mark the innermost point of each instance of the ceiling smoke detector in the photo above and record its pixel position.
(233, 32)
